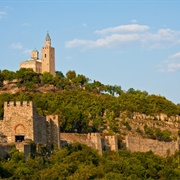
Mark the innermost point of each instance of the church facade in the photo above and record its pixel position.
(47, 61)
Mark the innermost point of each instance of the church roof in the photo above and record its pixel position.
(33, 60)
(48, 37)
(35, 50)
(30, 60)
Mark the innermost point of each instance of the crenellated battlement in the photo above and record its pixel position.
(16, 108)
(110, 137)
(93, 135)
(18, 104)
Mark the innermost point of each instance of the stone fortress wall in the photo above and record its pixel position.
(132, 143)
(94, 140)
(18, 119)
(161, 148)
(21, 122)
(53, 130)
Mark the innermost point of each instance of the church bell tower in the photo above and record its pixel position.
(48, 57)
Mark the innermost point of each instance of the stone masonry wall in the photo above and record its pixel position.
(53, 130)
(161, 116)
(22, 123)
(94, 140)
(112, 142)
(5, 149)
(21, 118)
(91, 139)
(24, 109)
(24, 148)
(18, 119)
(160, 148)
(40, 129)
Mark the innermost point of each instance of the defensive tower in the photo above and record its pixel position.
(48, 58)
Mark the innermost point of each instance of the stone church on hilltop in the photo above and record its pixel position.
(47, 61)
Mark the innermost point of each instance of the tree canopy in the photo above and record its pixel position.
(83, 163)
(85, 105)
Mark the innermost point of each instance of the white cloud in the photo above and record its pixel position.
(172, 64)
(77, 43)
(123, 28)
(16, 46)
(172, 67)
(2, 14)
(133, 21)
(108, 41)
(140, 34)
(27, 51)
(162, 36)
(175, 56)
(19, 46)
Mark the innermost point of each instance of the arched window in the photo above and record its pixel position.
(19, 133)
(19, 129)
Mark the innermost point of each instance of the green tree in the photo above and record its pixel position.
(47, 78)
(27, 78)
(8, 75)
(1, 79)
(80, 80)
(59, 74)
(113, 89)
(71, 75)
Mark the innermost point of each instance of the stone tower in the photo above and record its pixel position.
(48, 56)
(22, 122)
(35, 54)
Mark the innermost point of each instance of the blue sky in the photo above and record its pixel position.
(134, 44)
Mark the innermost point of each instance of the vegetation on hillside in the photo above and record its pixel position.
(81, 104)
(87, 106)
(79, 162)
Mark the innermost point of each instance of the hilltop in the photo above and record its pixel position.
(92, 106)
(148, 122)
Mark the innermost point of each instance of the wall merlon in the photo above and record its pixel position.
(109, 137)
(94, 134)
(11, 103)
(18, 103)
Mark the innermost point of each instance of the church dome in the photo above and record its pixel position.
(35, 50)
